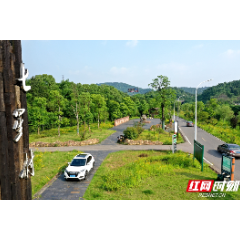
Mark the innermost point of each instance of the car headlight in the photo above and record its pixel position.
(82, 170)
(66, 171)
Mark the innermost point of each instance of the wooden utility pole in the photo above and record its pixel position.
(15, 157)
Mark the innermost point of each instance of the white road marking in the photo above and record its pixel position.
(184, 135)
(207, 161)
(204, 139)
(187, 139)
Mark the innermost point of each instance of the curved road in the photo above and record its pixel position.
(58, 188)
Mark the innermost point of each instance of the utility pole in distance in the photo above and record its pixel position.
(16, 160)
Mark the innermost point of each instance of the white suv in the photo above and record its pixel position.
(79, 167)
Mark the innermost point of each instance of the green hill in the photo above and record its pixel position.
(124, 87)
(227, 92)
(192, 90)
(182, 95)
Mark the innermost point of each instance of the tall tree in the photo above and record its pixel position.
(99, 105)
(57, 103)
(76, 105)
(114, 110)
(161, 84)
(224, 112)
(38, 112)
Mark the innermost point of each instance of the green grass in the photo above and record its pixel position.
(70, 133)
(47, 165)
(165, 137)
(132, 118)
(124, 175)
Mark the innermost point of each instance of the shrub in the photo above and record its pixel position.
(139, 129)
(160, 130)
(83, 133)
(130, 133)
(234, 122)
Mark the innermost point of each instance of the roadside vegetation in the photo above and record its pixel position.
(221, 120)
(149, 175)
(47, 165)
(156, 133)
(70, 133)
(61, 108)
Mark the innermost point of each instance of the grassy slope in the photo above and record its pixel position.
(70, 133)
(47, 165)
(161, 175)
(164, 137)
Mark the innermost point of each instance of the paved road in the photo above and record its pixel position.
(61, 189)
(210, 146)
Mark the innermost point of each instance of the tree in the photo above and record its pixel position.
(42, 85)
(89, 119)
(143, 107)
(85, 99)
(76, 105)
(160, 84)
(152, 102)
(38, 112)
(114, 110)
(124, 109)
(211, 106)
(224, 112)
(57, 102)
(130, 105)
(99, 105)
(234, 122)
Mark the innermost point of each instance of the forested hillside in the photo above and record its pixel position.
(124, 87)
(188, 97)
(182, 95)
(192, 90)
(227, 92)
(52, 104)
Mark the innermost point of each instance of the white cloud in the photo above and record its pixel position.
(231, 53)
(115, 70)
(132, 43)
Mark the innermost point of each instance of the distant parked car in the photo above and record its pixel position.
(79, 167)
(231, 149)
(189, 124)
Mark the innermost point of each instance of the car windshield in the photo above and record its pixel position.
(77, 162)
(234, 147)
(189, 122)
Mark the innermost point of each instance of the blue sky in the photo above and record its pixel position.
(185, 62)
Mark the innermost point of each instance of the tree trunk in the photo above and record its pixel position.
(77, 125)
(98, 120)
(163, 120)
(59, 121)
(77, 121)
(38, 129)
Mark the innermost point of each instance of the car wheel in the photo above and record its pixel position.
(85, 176)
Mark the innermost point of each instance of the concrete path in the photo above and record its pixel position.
(59, 188)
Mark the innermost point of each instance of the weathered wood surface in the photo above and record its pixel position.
(2, 105)
(12, 154)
